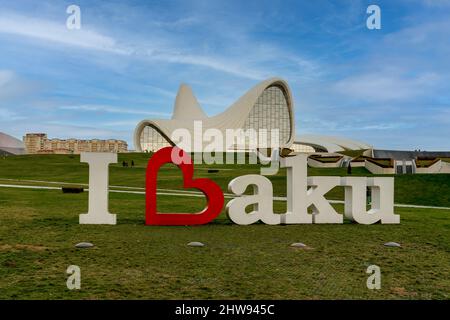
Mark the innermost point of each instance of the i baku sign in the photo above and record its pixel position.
(303, 192)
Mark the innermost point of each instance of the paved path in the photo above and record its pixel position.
(185, 193)
(111, 186)
(165, 192)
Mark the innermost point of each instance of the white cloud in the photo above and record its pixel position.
(324, 124)
(80, 132)
(165, 47)
(437, 3)
(110, 109)
(214, 63)
(57, 33)
(13, 86)
(179, 23)
(416, 38)
(384, 86)
(85, 38)
(126, 124)
(8, 115)
(6, 77)
(161, 91)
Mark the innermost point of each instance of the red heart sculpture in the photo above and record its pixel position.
(212, 191)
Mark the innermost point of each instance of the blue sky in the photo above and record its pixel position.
(388, 87)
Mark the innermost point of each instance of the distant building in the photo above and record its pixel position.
(38, 143)
(34, 142)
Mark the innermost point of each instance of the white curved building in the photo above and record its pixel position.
(10, 145)
(330, 144)
(268, 105)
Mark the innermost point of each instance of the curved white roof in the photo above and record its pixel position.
(331, 143)
(11, 144)
(187, 110)
(186, 105)
(9, 141)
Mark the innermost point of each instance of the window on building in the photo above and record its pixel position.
(152, 140)
(271, 111)
(298, 147)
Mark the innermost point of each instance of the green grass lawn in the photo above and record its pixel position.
(425, 163)
(423, 189)
(385, 163)
(353, 153)
(327, 159)
(39, 228)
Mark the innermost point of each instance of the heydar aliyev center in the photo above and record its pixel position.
(267, 106)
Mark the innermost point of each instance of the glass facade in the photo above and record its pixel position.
(271, 111)
(298, 147)
(152, 140)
